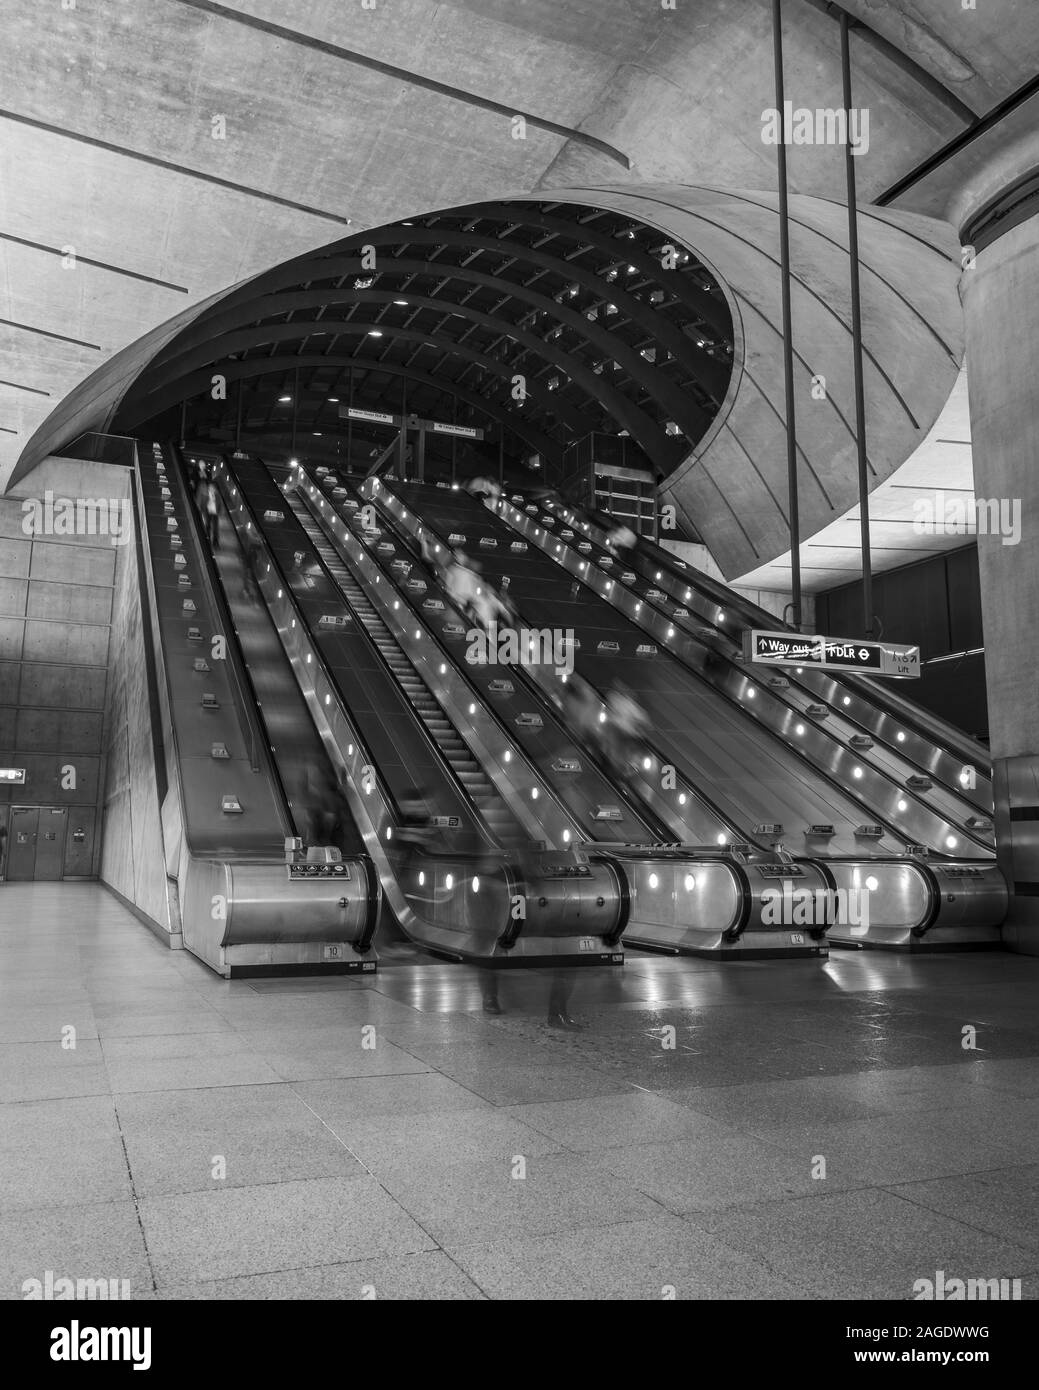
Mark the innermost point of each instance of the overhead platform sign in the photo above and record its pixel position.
(464, 431)
(373, 417)
(830, 653)
(379, 417)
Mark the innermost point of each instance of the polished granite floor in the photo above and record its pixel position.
(813, 1130)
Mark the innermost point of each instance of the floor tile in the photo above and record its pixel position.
(285, 1225)
(217, 1137)
(101, 1240)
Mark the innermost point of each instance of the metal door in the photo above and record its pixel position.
(79, 844)
(50, 843)
(21, 842)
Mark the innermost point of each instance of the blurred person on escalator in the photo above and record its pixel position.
(208, 506)
(621, 538)
(315, 803)
(429, 555)
(485, 488)
(488, 608)
(252, 558)
(461, 582)
(415, 830)
(627, 727)
(581, 709)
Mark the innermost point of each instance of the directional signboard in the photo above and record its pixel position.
(851, 656)
(465, 431)
(379, 417)
(373, 417)
(832, 653)
(783, 649)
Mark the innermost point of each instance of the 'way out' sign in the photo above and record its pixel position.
(831, 653)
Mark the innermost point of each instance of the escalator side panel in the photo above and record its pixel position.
(239, 910)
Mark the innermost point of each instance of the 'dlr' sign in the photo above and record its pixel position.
(833, 653)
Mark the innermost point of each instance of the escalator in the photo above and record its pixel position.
(771, 769)
(913, 740)
(495, 814)
(246, 902)
(910, 805)
(467, 895)
(694, 884)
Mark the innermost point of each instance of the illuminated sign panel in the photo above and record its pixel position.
(833, 653)
(463, 430)
(375, 417)
(12, 776)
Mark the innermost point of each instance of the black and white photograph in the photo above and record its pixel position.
(519, 707)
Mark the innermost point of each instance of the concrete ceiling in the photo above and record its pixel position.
(336, 118)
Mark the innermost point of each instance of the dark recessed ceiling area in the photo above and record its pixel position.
(538, 323)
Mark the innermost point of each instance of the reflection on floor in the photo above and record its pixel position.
(806, 1130)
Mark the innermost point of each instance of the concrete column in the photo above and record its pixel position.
(1000, 296)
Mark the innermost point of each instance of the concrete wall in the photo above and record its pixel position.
(56, 598)
(773, 601)
(133, 859)
(1001, 300)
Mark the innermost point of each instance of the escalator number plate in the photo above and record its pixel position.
(797, 938)
(330, 952)
(588, 943)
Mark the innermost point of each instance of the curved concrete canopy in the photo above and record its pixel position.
(488, 292)
(732, 487)
(334, 113)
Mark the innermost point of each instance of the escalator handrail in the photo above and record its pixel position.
(535, 693)
(426, 737)
(799, 753)
(927, 724)
(249, 703)
(362, 630)
(960, 816)
(475, 695)
(740, 835)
